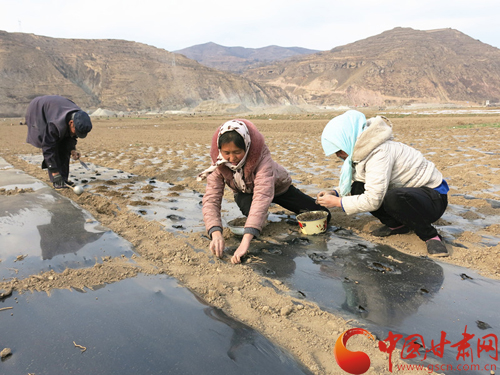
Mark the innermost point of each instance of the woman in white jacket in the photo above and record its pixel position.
(392, 181)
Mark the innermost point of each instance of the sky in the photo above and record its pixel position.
(314, 24)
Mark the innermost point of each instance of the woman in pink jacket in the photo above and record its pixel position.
(242, 161)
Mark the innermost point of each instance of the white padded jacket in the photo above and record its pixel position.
(384, 164)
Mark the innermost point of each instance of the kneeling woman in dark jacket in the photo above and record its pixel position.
(242, 161)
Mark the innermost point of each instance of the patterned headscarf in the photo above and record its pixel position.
(339, 134)
(241, 129)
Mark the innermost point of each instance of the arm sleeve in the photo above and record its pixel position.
(263, 194)
(212, 201)
(214, 229)
(71, 143)
(378, 175)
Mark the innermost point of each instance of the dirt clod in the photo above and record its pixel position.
(5, 353)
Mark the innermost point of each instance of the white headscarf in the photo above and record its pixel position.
(241, 129)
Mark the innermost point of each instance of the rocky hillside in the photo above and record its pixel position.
(115, 74)
(239, 59)
(396, 67)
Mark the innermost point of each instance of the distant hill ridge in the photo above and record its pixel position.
(115, 74)
(398, 66)
(238, 59)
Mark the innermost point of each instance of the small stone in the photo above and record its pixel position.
(5, 353)
(287, 310)
(300, 307)
(482, 325)
(212, 294)
(20, 258)
(5, 292)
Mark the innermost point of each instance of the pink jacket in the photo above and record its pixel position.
(266, 177)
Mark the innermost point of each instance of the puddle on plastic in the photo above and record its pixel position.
(13, 178)
(42, 231)
(4, 165)
(79, 174)
(144, 325)
(385, 290)
(157, 156)
(174, 206)
(459, 224)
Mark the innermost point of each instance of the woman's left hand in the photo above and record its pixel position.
(242, 249)
(329, 201)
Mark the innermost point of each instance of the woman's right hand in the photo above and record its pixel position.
(217, 244)
(323, 193)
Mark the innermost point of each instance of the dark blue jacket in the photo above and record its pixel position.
(47, 118)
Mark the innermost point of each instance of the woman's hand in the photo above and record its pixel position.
(242, 249)
(217, 244)
(323, 193)
(329, 199)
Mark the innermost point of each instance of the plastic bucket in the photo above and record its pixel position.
(237, 226)
(313, 222)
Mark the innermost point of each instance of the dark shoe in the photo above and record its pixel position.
(60, 187)
(385, 231)
(58, 182)
(69, 183)
(436, 248)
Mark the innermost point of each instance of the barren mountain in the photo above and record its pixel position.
(115, 74)
(239, 59)
(398, 66)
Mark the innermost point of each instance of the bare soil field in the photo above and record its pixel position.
(465, 148)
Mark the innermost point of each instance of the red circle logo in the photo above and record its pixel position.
(355, 363)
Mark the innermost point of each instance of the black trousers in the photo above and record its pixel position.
(416, 208)
(293, 199)
(62, 154)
